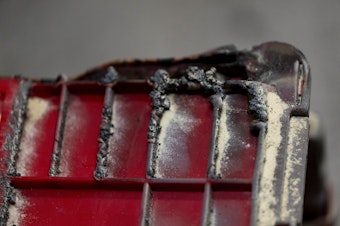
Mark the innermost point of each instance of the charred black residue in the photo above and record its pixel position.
(106, 125)
(205, 82)
(8, 199)
(256, 92)
(104, 137)
(110, 77)
(194, 79)
(206, 79)
(209, 84)
(257, 101)
(16, 124)
(160, 104)
(216, 101)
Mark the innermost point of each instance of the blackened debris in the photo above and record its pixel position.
(257, 101)
(110, 77)
(206, 79)
(16, 123)
(161, 80)
(8, 199)
(220, 58)
(106, 125)
(194, 78)
(104, 136)
(160, 104)
(55, 159)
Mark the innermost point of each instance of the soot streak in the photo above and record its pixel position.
(106, 126)
(193, 78)
(8, 199)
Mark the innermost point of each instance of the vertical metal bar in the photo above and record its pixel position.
(295, 169)
(216, 101)
(153, 143)
(257, 171)
(160, 104)
(16, 125)
(150, 164)
(104, 136)
(56, 155)
(206, 214)
(145, 216)
(106, 127)
(269, 169)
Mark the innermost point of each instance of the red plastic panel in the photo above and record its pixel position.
(77, 207)
(128, 145)
(185, 138)
(176, 208)
(80, 145)
(39, 131)
(230, 208)
(75, 198)
(2, 97)
(241, 150)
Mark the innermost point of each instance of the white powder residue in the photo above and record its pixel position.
(292, 183)
(74, 123)
(223, 138)
(17, 211)
(175, 124)
(36, 109)
(212, 217)
(119, 130)
(273, 139)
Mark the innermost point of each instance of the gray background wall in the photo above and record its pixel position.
(44, 38)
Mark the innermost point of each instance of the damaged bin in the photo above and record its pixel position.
(215, 139)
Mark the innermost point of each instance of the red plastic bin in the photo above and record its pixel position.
(172, 142)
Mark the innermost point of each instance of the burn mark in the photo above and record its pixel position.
(257, 101)
(16, 125)
(106, 126)
(194, 79)
(8, 199)
(161, 103)
(206, 82)
(206, 79)
(104, 137)
(223, 58)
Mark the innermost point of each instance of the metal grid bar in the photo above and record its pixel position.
(56, 154)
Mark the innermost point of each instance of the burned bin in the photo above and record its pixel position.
(219, 138)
